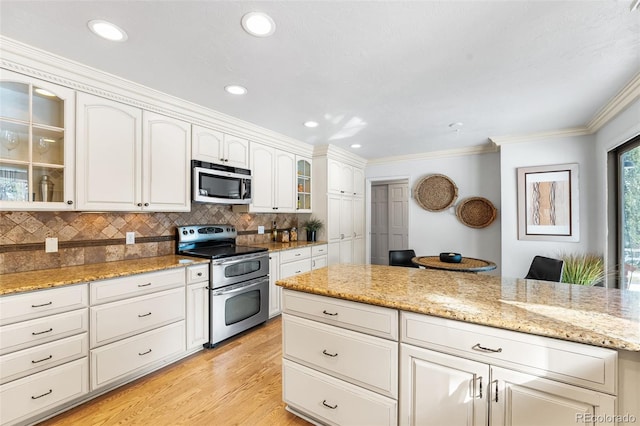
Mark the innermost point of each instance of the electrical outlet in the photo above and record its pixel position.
(51, 245)
(131, 238)
(260, 229)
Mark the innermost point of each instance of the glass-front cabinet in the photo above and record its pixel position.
(36, 144)
(304, 184)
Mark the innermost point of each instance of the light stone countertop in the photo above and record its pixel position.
(592, 315)
(49, 278)
(273, 246)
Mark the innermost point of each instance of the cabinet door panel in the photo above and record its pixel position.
(262, 160)
(346, 218)
(285, 183)
(197, 315)
(275, 292)
(236, 151)
(207, 145)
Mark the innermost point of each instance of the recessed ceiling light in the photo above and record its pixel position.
(258, 24)
(235, 89)
(107, 30)
(310, 124)
(44, 92)
(355, 145)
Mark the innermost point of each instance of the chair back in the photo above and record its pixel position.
(545, 269)
(402, 258)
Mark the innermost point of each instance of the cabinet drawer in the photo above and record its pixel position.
(374, 320)
(37, 304)
(320, 250)
(333, 401)
(568, 362)
(24, 398)
(135, 285)
(29, 361)
(319, 262)
(25, 334)
(361, 359)
(197, 273)
(120, 359)
(125, 318)
(294, 268)
(295, 254)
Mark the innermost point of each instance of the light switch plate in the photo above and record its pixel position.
(131, 238)
(260, 229)
(50, 245)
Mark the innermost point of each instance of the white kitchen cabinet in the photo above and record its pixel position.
(37, 144)
(319, 256)
(304, 184)
(273, 174)
(197, 315)
(345, 228)
(129, 159)
(358, 182)
(275, 292)
(217, 147)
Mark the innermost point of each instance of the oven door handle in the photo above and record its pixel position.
(242, 258)
(222, 291)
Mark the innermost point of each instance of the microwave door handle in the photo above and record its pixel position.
(240, 289)
(243, 189)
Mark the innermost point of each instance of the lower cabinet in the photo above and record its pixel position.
(197, 306)
(275, 292)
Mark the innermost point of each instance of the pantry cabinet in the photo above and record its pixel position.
(217, 147)
(129, 159)
(37, 143)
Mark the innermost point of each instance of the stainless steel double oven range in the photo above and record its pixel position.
(238, 278)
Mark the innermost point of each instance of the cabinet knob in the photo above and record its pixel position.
(226, 160)
(146, 204)
(69, 202)
(342, 192)
(139, 204)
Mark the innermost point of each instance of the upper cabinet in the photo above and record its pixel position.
(344, 179)
(129, 159)
(216, 147)
(36, 144)
(303, 166)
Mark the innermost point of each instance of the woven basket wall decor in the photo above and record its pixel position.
(476, 212)
(436, 193)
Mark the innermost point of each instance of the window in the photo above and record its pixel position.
(628, 214)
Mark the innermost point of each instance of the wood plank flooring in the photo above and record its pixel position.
(236, 383)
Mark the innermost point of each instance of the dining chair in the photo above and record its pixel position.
(545, 269)
(402, 258)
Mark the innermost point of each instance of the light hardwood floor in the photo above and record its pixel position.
(236, 383)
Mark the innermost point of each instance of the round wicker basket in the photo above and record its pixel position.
(476, 212)
(436, 193)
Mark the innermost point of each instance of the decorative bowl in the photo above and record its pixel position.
(450, 257)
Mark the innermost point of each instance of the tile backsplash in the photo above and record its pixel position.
(85, 238)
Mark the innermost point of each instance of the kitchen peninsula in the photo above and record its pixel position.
(410, 346)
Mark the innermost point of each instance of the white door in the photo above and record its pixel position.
(334, 176)
(166, 172)
(346, 179)
(262, 159)
(197, 315)
(379, 225)
(207, 145)
(275, 292)
(108, 154)
(519, 399)
(438, 389)
(398, 216)
(346, 218)
(358, 181)
(236, 152)
(285, 182)
(333, 218)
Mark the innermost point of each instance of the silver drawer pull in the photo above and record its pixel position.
(297, 272)
(43, 359)
(477, 347)
(333, 407)
(480, 386)
(329, 313)
(144, 353)
(33, 333)
(144, 315)
(324, 351)
(44, 304)
(199, 274)
(144, 285)
(44, 394)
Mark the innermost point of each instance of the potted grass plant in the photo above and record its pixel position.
(312, 226)
(584, 268)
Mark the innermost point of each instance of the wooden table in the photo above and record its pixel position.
(467, 264)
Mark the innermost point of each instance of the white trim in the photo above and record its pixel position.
(339, 154)
(471, 150)
(578, 131)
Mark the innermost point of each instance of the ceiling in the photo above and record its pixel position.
(389, 75)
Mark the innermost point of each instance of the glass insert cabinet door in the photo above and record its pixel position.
(36, 144)
(304, 185)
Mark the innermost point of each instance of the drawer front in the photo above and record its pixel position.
(321, 250)
(569, 362)
(24, 398)
(37, 304)
(26, 334)
(121, 359)
(319, 262)
(294, 268)
(196, 274)
(128, 317)
(374, 320)
(135, 285)
(33, 360)
(361, 359)
(295, 254)
(333, 401)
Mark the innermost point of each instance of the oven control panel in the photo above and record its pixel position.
(197, 233)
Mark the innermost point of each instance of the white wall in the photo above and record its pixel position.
(517, 254)
(433, 232)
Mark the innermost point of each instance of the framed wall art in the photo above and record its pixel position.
(548, 203)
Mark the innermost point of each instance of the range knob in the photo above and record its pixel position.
(191, 231)
(184, 232)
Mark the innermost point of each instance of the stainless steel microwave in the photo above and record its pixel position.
(215, 183)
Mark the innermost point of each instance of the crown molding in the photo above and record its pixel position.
(339, 154)
(471, 150)
(43, 65)
(503, 140)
